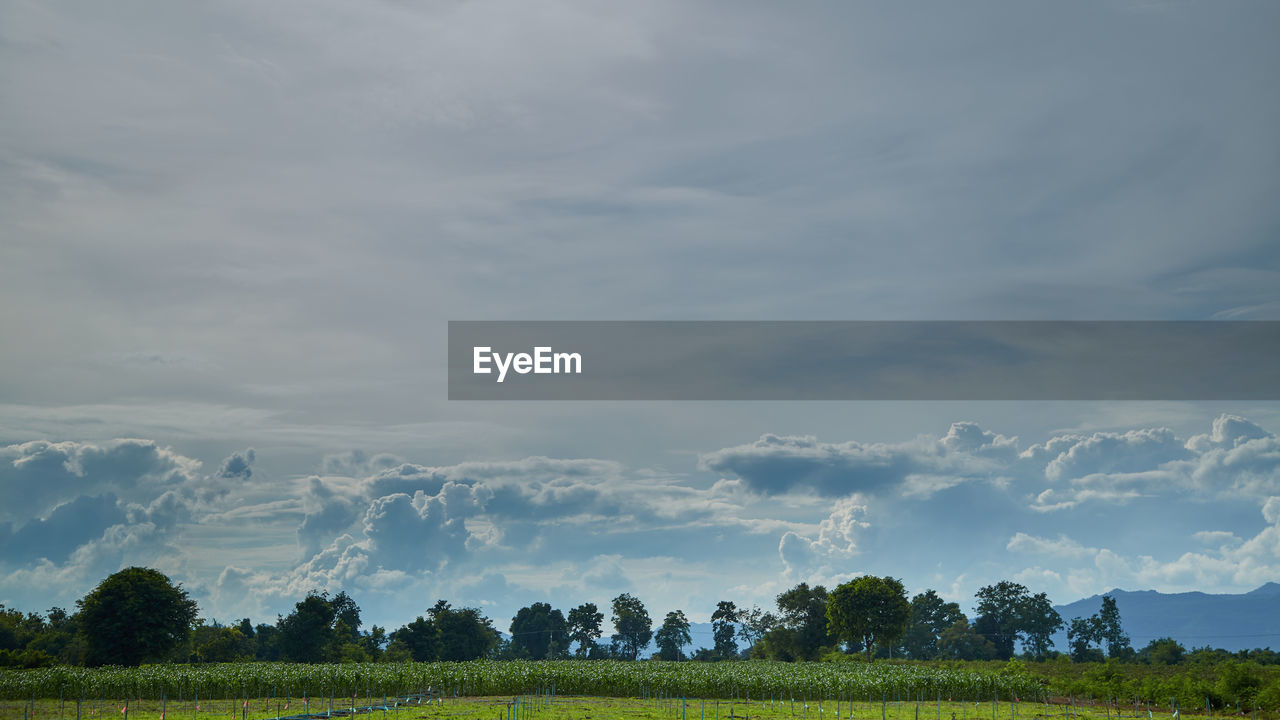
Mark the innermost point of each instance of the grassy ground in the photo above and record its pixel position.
(562, 708)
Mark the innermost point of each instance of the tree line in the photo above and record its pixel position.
(138, 616)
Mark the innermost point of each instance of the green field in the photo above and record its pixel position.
(578, 690)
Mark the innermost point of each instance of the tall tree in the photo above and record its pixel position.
(584, 627)
(1039, 621)
(724, 628)
(1081, 634)
(634, 628)
(673, 635)
(419, 638)
(306, 634)
(869, 610)
(540, 632)
(961, 642)
(1007, 613)
(464, 633)
(930, 616)
(1110, 631)
(803, 627)
(135, 615)
(753, 624)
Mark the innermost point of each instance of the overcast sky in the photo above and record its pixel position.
(231, 236)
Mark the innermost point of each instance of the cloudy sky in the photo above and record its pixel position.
(231, 236)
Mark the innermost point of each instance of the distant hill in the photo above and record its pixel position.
(1195, 619)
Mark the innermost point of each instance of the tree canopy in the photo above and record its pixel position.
(869, 610)
(135, 615)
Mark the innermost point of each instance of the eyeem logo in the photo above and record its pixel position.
(542, 362)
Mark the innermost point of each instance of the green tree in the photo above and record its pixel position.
(1039, 621)
(673, 635)
(801, 633)
(306, 634)
(869, 610)
(634, 628)
(1163, 651)
(930, 616)
(540, 632)
(419, 639)
(135, 615)
(962, 642)
(724, 628)
(464, 633)
(754, 624)
(584, 627)
(1008, 612)
(1081, 635)
(1109, 630)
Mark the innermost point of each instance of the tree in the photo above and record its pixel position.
(419, 639)
(673, 635)
(1007, 613)
(1039, 621)
(538, 632)
(930, 616)
(306, 634)
(724, 629)
(464, 634)
(961, 642)
(1000, 615)
(134, 616)
(584, 627)
(870, 610)
(1081, 634)
(1163, 651)
(753, 624)
(633, 627)
(802, 631)
(1109, 629)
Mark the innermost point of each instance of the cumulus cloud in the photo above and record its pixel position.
(779, 464)
(43, 475)
(835, 543)
(1236, 458)
(237, 465)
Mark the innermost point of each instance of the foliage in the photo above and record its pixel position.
(930, 616)
(1007, 612)
(584, 627)
(870, 610)
(673, 635)
(962, 642)
(133, 616)
(540, 632)
(723, 628)
(802, 632)
(634, 628)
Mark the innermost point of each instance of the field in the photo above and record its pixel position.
(559, 707)
(557, 690)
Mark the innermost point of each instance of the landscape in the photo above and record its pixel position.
(661, 360)
(136, 645)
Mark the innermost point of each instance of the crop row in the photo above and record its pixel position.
(756, 679)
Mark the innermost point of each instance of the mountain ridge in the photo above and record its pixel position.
(1232, 621)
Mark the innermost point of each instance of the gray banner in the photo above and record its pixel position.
(866, 360)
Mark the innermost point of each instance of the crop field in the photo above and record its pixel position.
(556, 690)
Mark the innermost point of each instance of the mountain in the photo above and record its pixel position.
(1195, 619)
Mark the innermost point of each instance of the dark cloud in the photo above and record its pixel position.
(67, 527)
(237, 465)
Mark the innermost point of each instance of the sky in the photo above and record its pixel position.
(232, 235)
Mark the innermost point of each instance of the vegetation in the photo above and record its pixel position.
(321, 647)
